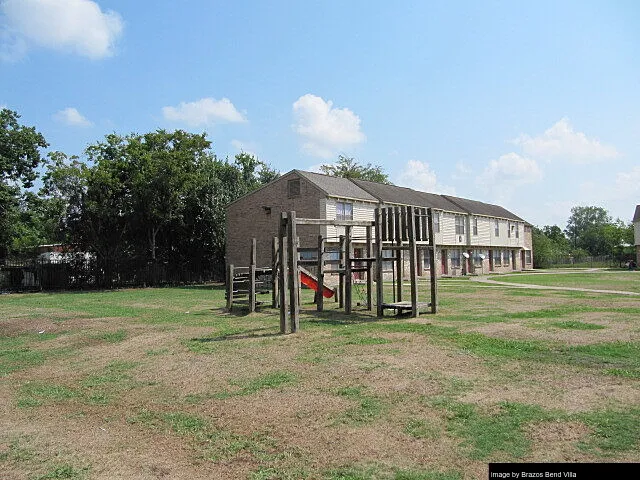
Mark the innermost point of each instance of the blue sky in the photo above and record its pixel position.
(532, 105)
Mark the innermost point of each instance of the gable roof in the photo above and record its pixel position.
(336, 186)
(636, 217)
(407, 196)
(480, 208)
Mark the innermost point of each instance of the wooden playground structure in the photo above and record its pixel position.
(395, 229)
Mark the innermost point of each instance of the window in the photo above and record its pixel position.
(459, 225)
(293, 188)
(497, 257)
(387, 265)
(475, 226)
(344, 211)
(332, 254)
(527, 256)
(436, 222)
(477, 259)
(497, 228)
(426, 255)
(506, 257)
(509, 228)
(455, 258)
(517, 231)
(309, 255)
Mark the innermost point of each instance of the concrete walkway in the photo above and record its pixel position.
(484, 279)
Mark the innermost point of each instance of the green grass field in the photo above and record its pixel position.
(610, 280)
(164, 383)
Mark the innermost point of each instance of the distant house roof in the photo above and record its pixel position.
(407, 196)
(337, 186)
(636, 217)
(480, 208)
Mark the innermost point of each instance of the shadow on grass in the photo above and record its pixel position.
(244, 335)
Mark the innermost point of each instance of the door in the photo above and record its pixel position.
(444, 255)
(522, 260)
(513, 259)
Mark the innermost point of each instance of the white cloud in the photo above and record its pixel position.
(419, 176)
(325, 130)
(71, 116)
(206, 111)
(79, 26)
(510, 169)
(628, 184)
(561, 141)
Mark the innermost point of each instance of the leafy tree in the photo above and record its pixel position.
(581, 225)
(19, 156)
(348, 167)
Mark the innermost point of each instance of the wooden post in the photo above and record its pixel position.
(347, 270)
(283, 278)
(398, 262)
(379, 261)
(252, 277)
(274, 273)
(413, 255)
(432, 261)
(341, 266)
(230, 287)
(369, 269)
(320, 303)
(294, 286)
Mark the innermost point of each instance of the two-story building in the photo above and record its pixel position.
(470, 236)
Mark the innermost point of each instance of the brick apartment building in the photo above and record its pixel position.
(471, 236)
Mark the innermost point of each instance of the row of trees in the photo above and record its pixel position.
(159, 196)
(590, 231)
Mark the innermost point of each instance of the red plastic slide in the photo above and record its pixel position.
(312, 282)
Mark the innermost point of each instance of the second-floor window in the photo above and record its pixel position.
(509, 227)
(517, 232)
(475, 226)
(459, 225)
(344, 211)
(436, 222)
(497, 233)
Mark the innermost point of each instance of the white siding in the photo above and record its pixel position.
(636, 232)
(448, 229)
(484, 232)
(361, 211)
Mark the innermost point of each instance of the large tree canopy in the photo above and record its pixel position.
(348, 167)
(19, 157)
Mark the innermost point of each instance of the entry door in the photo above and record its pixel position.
(444, 255)
(513, 259)
(522, 260)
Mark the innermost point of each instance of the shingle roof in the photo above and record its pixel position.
(337, 186)
(636, 217)
(480, 208)
(407, 196)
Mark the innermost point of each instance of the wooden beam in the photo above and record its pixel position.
(398, 263)
(283, 278)
(294, 286)
(432, 261)
(274, 273)
(341, 274)
(320, 303)
(413, 256)
(348, 276)
(379, 273)
(230, 286)
(252, 277)
(369, 252)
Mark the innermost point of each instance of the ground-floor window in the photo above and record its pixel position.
(497, 257)
(387, 265)
(506, 257)
(477, 259)
(527, 256)
(455, 258)
(426, 255)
